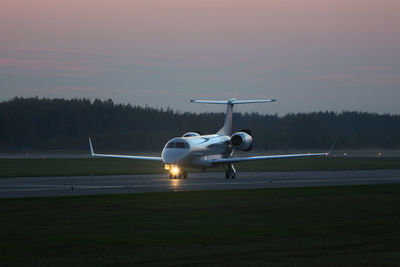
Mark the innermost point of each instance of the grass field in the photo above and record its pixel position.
(102, 166)
(326, 226)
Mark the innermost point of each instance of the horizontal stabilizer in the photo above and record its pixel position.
(210, 101)
(233, 101)
(253, 101)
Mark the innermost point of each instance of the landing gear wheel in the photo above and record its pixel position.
(170, 176)
(230, 172)
(185, 174)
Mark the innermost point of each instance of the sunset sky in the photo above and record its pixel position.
(309, 54)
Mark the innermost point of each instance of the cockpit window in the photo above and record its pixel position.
(171, 145)
(180, 145)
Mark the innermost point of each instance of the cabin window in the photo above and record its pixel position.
(214, 145)
(180, 145)
(171, 145)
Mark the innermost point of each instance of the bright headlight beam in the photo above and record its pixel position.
(175, 170)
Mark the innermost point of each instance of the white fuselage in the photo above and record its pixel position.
(196, 151)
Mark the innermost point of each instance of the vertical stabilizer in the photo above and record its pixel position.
(227, 128)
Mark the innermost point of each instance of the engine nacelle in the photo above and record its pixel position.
(190, 134)
(242, 141)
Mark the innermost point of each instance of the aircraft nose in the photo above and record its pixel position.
(170, 156)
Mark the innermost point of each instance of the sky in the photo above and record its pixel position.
(311, 55)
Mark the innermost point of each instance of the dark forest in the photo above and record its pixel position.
(33, 124)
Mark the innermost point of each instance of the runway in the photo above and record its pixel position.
(112, 184)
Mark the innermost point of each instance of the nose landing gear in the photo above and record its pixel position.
(230, 172)
(176, 173)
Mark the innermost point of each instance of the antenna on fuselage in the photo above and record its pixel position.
(227, 128)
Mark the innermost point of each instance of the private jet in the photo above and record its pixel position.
(193, 150)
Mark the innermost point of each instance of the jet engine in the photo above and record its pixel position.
(242, 141)
(190, 134)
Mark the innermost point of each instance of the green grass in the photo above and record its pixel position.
(102, 166)
(72, 166)
(327, 226)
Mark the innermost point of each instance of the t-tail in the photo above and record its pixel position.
(227, 128)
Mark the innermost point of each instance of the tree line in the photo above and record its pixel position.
(34, 124)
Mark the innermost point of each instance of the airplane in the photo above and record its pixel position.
(193, 150)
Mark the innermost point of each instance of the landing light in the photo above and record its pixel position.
(174, 170)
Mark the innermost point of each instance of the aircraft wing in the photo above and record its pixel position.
(121, 156)
(234, 160)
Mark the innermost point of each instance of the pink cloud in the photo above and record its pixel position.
(116, 90)
(46, 66)
(159, 92)
(337, 77)
(56, 51)
(365, 78)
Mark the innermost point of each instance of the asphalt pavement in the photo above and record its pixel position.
(111, 184)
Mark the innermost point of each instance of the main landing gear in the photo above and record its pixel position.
(230, 172)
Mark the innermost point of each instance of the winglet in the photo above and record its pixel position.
(332, 146)
(91, 148)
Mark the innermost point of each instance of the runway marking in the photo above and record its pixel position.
(292, 181)
(30, 189)
(63, 188)
(186, 183)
